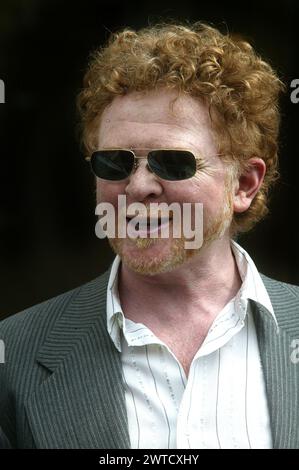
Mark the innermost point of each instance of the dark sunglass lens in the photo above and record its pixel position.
(172, 165)
(112, 165)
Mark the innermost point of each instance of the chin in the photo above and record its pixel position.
(151, 256)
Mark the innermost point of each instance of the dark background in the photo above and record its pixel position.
(47, 204)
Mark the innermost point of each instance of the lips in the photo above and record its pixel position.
(150, 221)
(149, 225)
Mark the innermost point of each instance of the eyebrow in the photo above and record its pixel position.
(145, 150)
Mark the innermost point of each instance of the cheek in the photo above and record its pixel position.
(108, 192)
(183, 191)
(210, 192)
(197, 189)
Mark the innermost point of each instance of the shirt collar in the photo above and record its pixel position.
(252, 288)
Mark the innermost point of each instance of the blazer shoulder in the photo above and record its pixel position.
(278, 288)
(37, 316)
(39, 319)
(285, 301)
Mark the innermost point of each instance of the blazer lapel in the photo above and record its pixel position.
(81, 404)
(281, 374)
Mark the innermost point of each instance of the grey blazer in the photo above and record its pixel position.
(61, 383)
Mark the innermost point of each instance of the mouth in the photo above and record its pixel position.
(149, 225)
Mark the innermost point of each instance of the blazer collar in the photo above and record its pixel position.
(82, 403)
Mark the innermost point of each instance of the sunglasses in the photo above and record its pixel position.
(167, 164)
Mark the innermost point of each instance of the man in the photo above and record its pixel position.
(172, 347)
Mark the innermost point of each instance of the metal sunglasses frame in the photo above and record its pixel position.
(198, 159)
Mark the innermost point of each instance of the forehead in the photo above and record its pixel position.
(155, 118)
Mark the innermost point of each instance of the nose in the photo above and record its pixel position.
(142, 183)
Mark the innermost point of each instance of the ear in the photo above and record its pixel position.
(248, 184)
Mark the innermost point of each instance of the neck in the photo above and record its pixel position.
(188, 289)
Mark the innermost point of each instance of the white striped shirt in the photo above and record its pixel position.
(223, 402)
